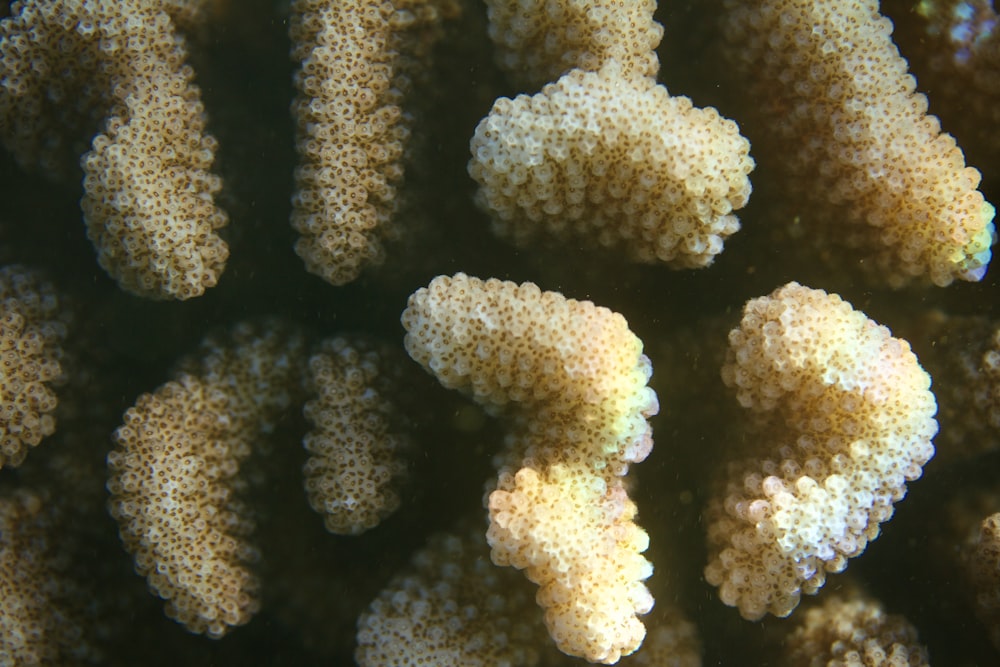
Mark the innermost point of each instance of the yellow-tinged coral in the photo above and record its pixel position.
(357, 58)
(853, 631)
(573, 533)
(843, 419)
(452, 608)
(354, 465)
(574, 377)
(32, 329)
(175, 475)
(615, 162)
(538, 41)
(148, 192)
(871, 170)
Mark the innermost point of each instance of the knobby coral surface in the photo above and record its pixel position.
(175, 476)
(538, 41)
(32, 330)
(574, 377)
(314, 586)
(72, 68)
(357, 63)
(842, 418)
(874, 172)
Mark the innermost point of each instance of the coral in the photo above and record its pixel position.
(980, 559)
(615, 162)
(32, 330)
(39, 622)
(881, 182)
(452, 608)
(962, 354)
(853, 631)
(538, 41)
(672, 641)
(843, 419)
(955, 52)
(575, 378)
(355, 447)
(357, 60)
(148, 192)
(314, 586)
(175, 482)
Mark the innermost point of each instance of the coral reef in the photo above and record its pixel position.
(310, 586)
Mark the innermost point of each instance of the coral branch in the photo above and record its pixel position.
(845, 418)
(575, 378)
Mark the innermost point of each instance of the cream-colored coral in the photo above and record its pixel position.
(452, 608)
(32, 330)
(356, 60)
(40, 622)
(869, 168)
(148, 192)
(573, 533)
(853, 631)
(354, 465)
(612, 162)
(538, 41)
(175, 475)
(574, 379)
(842, 419)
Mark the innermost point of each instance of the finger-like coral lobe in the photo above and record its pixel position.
(148, 192)
(878, 177)
(32, 329)
(354, 465)
(843, 419)
(175, 476)
(357, 59)
(574, 379)
(616, 162)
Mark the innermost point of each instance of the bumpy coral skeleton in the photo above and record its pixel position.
(842, 419)
(853, 631)
(32, 331)
(132, 342)
(870, 168)
(575, 378)
(616, 162)
(175, 476)
(414, 620)
(148, 191)
(355, 446)
(357, 60)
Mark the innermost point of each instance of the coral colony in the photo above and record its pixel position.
(366, 379)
